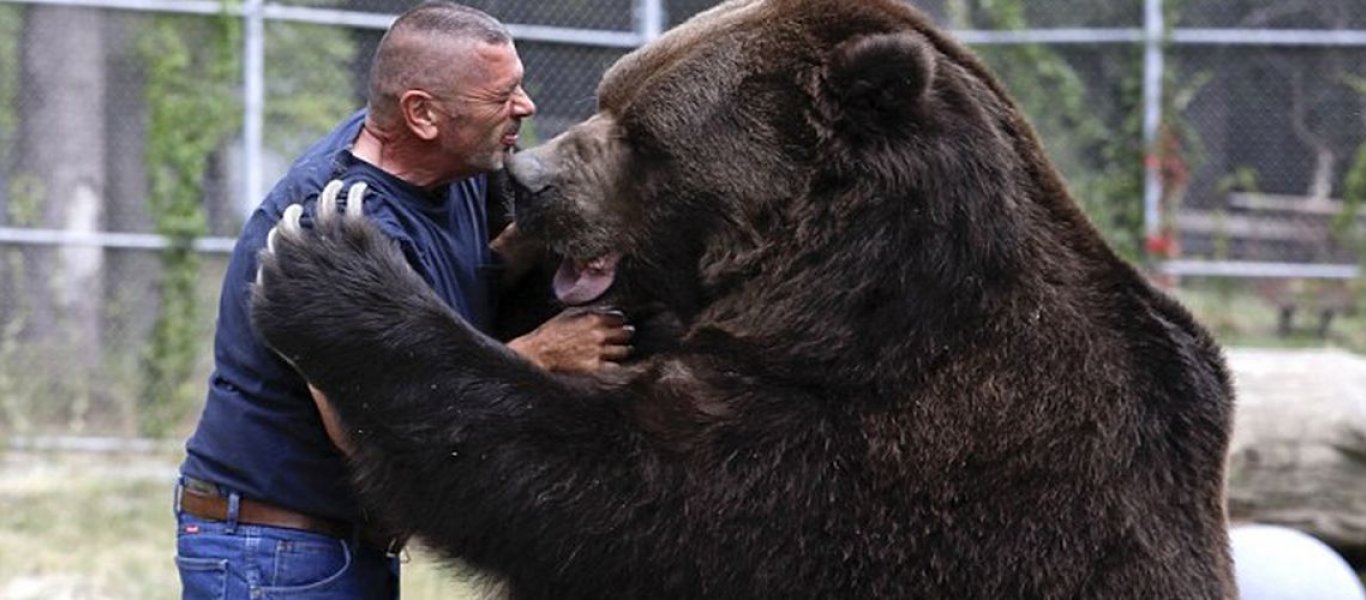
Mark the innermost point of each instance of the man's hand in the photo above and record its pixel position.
(577, 340)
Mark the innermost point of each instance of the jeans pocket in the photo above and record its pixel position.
(202, 578)
(306, 565)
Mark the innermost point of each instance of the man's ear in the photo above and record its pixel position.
(880, 79)
(419, 113)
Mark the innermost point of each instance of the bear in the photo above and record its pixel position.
(881, 351)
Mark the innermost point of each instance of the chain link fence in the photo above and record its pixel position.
(1219, 143)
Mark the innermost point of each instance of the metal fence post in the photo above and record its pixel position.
(1154, 28)
(649, 19)
(253, 102)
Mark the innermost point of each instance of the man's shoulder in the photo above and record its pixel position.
(319, 163)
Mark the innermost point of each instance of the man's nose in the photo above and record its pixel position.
(522, 105)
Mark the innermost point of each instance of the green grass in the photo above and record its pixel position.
(73, 527)
(78, 526)
(1241, 317)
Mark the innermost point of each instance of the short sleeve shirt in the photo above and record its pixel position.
(260, 433)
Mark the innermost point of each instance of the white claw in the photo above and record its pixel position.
(354, 200)
(290, 220)
(327, 200)
(270, 239)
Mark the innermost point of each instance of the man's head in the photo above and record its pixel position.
(447, 77)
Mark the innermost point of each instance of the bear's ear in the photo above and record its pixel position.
(879, 77)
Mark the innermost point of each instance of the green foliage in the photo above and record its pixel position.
(1348, 223)
(1354, 190)
(193, 66)
(21, 209)
(16, 397)
(192, 71)
(11, 22)
(308, 83)
(1242, 179)
(982, 14)
(1103, 164)
(1356, 83)
(1110, 188)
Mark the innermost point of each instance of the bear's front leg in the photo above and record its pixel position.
(455, 438)
(339, 301)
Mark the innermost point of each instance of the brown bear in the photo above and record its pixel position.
(883, 354)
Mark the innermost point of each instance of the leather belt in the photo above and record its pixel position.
(199, 502)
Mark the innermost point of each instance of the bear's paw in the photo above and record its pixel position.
(333, 272)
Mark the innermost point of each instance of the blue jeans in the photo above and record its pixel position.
(227, 560)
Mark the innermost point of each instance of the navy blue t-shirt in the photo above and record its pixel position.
(260, 433)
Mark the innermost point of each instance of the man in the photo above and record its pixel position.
(264, 508)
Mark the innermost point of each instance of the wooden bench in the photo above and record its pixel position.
(1292, 246)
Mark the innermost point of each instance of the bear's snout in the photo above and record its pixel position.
(532, 186)
(530, 172)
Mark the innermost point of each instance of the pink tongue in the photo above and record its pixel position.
(580, 283)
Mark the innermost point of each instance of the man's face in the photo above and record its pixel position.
(486, 109)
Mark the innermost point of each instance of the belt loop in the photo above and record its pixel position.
(179, 493)
(234, 511)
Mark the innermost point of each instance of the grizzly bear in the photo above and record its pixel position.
(882, 352)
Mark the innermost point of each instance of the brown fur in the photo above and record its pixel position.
(883, 354)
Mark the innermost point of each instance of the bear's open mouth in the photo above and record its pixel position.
(579, 282)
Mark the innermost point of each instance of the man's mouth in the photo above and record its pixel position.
(510, 135)
(579, 282)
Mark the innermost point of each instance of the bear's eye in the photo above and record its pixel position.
(647, 146)
(636, 137)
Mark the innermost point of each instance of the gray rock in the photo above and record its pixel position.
(1298, 455)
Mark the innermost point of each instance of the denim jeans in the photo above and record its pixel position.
(227, 560)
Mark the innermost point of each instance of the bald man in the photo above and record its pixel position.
(263, 504)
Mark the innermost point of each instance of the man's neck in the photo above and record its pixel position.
(389, 154)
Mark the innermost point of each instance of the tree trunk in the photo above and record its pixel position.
(61, 107)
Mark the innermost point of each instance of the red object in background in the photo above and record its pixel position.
(1161, 244)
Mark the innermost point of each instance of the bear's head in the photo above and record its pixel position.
(773, 168)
